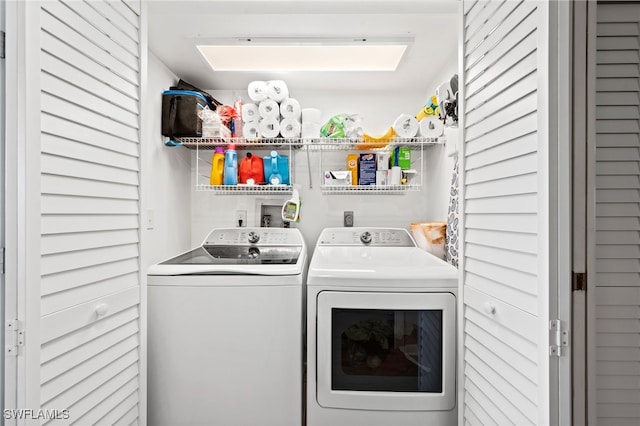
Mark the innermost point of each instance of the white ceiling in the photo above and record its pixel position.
(176, 27)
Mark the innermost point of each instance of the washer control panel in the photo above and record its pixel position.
(374, 237)
(254, 236)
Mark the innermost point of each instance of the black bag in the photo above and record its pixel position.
(180, 107)
(183, 85)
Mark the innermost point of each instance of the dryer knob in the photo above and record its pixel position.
(254, 237)
(365, 237)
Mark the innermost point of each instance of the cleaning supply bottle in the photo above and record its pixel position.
(230, 165)
(217, 167)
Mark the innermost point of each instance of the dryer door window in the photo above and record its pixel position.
(386, 351)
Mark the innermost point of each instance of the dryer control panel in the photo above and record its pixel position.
(373, 237)
(254, 236)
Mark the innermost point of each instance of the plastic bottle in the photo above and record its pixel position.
(230, 165)
(217, 167)
(237, 122)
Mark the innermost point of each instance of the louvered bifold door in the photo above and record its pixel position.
(90, 88)
(506, 285)
(617, 218)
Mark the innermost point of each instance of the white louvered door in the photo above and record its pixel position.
(89, 265)
(614, 293)
(507, 152)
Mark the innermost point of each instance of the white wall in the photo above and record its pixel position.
(379, 109)
(166, 178)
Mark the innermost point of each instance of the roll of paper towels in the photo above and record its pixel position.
(311, 115)
(251, 130)
(431, 127)
(406, 126)
(311, 130)
(250, 113)
(290, 108)
(395, 175)
(277, 90)
(257, 91)
(290, 128)
(269, 109)
(269, 127)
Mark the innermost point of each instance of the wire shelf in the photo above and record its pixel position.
(245, 189)
(240, 143)
(312, 143)
(370, 189)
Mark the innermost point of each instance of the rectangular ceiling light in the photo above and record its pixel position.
(304, 57)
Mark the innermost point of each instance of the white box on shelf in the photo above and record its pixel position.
(382, 177)
(337, 177)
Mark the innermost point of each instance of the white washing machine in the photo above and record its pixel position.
(381, 331)
(225, 327)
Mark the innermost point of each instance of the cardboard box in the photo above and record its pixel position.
(383, 160)
(352, 166)
(382, 177)
(337, 177)
(367, 169)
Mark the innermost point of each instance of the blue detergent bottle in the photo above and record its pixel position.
(231, 165)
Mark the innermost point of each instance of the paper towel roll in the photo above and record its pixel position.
(290, 108)
(251, 130)
(290, 128)
(277, 90)
(269, 127)
(311, 115)
(406, 126)
(431, 127)
(311, 130)
(395, 175)
(250, 113)
(269, 109)
(257, 91)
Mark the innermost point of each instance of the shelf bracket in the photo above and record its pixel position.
(309, 167)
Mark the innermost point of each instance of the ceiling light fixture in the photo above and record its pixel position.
(304, 54)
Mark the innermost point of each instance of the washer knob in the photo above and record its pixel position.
(365, 237)
(254, 237)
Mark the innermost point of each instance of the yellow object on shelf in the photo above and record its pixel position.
(217, 167)
(429, 109)
(352, 165)
(378, 141)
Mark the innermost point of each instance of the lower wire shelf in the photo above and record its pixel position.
(369, 189)
(246, 189)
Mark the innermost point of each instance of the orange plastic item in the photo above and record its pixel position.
(251, 167)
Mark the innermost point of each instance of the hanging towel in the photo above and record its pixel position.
(451, 239)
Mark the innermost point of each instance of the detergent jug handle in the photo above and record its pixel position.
(274, 163)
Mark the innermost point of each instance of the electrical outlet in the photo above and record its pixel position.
(348, 218)
(241, 218)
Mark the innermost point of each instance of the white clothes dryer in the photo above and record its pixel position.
(381, 331)
(225, 327)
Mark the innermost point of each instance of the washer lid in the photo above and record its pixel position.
(237, 255)
(241, 251)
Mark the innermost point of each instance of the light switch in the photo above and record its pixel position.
(150, 222)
